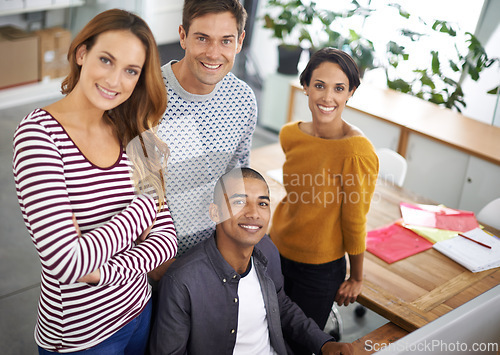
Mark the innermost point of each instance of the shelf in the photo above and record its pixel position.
(63, 5)
(25, 94)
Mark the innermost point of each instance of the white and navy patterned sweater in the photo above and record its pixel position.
(208, 135)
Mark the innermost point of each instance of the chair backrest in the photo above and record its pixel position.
(392, 166)
(490, 214)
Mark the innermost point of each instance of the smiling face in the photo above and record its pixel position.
(210, 49)
(243, 214)
(328, 92)
(110, 69)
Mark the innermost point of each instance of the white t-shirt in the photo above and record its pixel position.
(252, 337)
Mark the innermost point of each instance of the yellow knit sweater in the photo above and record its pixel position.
(329, 186)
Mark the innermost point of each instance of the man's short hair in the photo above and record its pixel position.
(197, 8)
(236, 173)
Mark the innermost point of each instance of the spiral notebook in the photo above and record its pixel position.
(472, 255)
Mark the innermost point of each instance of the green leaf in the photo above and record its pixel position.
(437, 98)
(395, 48)
(474, 44)
(305, 35)
(437, 25)
(444, 27)
(402, 12)
(309, 14)
(268, 22)
(435, 63)
(427, 81)
(353, 35)
(492, 61)
(278, 32)
(412, 35)
(453, 66)
(334, 38)
(494, 91)
(452, 32)
(450, 82)
(399, 85)
(473, 72)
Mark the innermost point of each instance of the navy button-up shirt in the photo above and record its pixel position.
(198, 304)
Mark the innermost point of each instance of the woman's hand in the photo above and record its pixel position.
(348, 292)
(144, 234)
(350, 289)
(77, 227)
(93, 278)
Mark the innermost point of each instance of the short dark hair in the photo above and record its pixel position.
(197, 8)
(332, 55)
(245, 173)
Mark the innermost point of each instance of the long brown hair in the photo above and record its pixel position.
(143, 110)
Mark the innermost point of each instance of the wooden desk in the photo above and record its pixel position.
(383, 336)
(411, 292)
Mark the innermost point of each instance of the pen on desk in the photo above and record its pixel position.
(475, 241)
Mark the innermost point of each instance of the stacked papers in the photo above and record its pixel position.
(439, 217)
(472, 255)
(420, 228)
(433, 235)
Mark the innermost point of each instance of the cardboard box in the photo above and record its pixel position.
(19, 58)
(54, 44)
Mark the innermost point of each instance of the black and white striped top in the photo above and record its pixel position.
(54, 180)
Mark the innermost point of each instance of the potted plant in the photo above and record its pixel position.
(439, 83)
(333, 32)
(290, 21)
(434, 83)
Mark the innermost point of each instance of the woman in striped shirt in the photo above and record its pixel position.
(96, 235)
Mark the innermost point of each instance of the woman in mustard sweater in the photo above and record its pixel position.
(329, 175)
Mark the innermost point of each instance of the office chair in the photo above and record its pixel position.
(335, 326)
(392, 166)
(490, 214)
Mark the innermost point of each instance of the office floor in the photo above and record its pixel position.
(19, 265)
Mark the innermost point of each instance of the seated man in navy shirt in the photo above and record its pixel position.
(225, 295)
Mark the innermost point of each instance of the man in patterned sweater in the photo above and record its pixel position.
(211, 114)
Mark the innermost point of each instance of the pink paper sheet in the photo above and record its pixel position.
(438, 217)
(395, 242)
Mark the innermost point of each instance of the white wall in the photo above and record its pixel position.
(264, 48)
